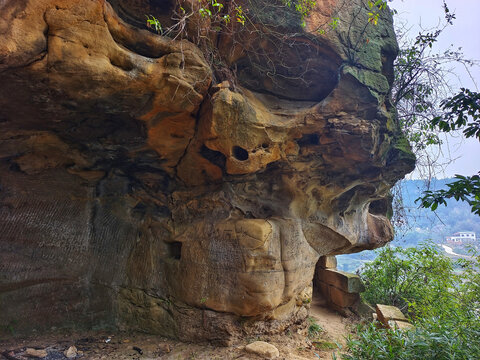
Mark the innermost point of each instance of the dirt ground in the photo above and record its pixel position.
(295, 344)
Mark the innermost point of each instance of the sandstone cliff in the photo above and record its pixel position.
(163, 185)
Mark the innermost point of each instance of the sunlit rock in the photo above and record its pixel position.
(141, 189)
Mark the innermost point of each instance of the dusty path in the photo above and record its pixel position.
(145, 347)
(294, 344)
(336, 327)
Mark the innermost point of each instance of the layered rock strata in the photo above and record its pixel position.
(142, 189)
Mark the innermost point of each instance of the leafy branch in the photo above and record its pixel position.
(461, 111)
(375, 8)
(465, 188)
(154, 23)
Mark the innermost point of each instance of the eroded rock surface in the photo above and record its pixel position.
(139, 189)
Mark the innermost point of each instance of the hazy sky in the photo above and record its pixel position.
(464, 33)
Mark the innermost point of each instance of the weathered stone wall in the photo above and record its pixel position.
(339, 289)
(139, 189)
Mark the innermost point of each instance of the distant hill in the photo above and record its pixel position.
(422, 224)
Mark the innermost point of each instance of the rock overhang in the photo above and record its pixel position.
(186, 196)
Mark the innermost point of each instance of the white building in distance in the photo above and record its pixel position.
(462, 238)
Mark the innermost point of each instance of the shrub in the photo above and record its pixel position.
(441, 343)
(403, 277)
(441, 297)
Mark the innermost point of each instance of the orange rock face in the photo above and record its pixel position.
(144, 186)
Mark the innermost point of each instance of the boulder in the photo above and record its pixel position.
(35, 353)
(263, 349)
(71, 352)
(385, 313)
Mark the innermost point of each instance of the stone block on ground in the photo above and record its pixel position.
(387, 312)
(400, 325)
(342, 280)
(262, 348)
(34, 353)
(341, 298)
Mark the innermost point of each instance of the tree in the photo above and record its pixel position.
(420, 85)
(461, 111)
(419, 91)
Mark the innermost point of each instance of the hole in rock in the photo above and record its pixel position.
(175, 250)
(13, 166)
(379, 207)
(309, 139)
(139, 211)
(240, 153)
